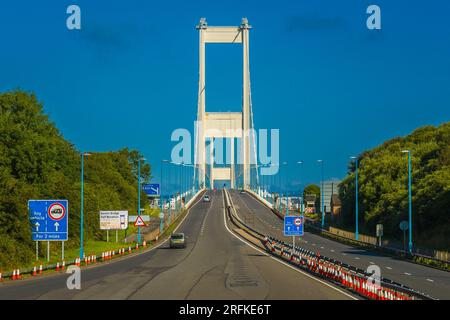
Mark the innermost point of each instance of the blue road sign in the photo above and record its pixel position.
(293, 225)
(151, 189)
(48, 219)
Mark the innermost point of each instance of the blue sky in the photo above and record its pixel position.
(333, 88)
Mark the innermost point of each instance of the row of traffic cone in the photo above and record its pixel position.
(315, 264)
(87, 260)
(16, 275)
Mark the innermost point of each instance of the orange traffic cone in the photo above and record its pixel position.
(14, 276)
(129, 249)
(18, 274)
(34, 271)
(144, 243)
(40, 268)
(63, 265)
(57, 266)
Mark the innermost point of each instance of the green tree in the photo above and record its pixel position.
(383, 188)
(36, 162)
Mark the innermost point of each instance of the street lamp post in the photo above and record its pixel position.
(409, 200)
(356, 198)
(82, 205)
(161, 219)
(301, 193)
(139, 197)
(321, 194)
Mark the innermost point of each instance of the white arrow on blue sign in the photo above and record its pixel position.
(293, 225)
(152, 189)
(49, 219)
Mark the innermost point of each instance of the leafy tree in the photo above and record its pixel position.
(383, 187)
(36, 162)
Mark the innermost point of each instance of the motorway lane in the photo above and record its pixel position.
(215, 265)
(428, 280)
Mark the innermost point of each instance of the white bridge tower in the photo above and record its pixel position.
(219, 125)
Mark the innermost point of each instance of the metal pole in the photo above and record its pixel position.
(62, 250)
(161, 199)
(48, 250)
(356, 205)
(293, 244)
(139, 198)
(81, 207)
(117, 236)
(107, 235)
(37, 250)
(410, 202)
(321, 193)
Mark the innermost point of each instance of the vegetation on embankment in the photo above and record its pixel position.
(383, 187)
(36, 162)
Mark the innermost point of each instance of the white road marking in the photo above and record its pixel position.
(431, 280)
(280, 261)
(322, 248)
(371, 262)
(408, 274)
(357, 258)
(389, 268)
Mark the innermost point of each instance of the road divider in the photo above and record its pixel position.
(341, 274)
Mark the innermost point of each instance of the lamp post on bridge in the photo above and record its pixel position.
(82, 205)
(410, 244)
(139, 197)
(301, 190)
(321, 193)
(161, 215)
(356, 198)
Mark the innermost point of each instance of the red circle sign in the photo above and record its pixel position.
(298, 222)
(56, 211)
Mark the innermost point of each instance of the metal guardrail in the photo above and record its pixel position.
(388, 250)
(385, 282)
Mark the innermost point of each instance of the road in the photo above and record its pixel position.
(428, 280)
(215, 265)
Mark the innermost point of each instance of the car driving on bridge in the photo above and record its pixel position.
(177, 240)
(206, 198)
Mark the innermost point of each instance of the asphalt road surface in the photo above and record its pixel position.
(425, 279)
(215, 265)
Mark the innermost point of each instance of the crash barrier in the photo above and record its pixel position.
(440, 258)
(337, 272)
(344, 275)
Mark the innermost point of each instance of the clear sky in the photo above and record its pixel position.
(334, 88)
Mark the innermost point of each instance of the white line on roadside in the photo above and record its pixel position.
(280, 261)
(332, 250)
(389, 268)
(357, 258)
(408, 274)
(431, 280)
(371, 262)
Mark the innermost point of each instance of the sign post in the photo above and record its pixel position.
(379, 233)
(151, 189)
(49, 222)
(293, 226)
(113, 220)
(404, 225)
